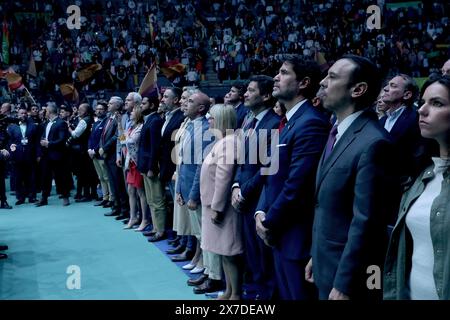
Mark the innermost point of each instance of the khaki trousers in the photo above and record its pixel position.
(100, 168)
(156, 200)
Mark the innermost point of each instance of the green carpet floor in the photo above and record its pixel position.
(114, 263)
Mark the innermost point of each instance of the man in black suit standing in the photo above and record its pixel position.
(52, 154)
(355, 186)
(23, 139)
(247, 187)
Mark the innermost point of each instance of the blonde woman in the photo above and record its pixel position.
(135, 180)
(221, 224)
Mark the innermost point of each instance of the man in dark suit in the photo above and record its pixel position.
(235, 98)
(158, 203)
(107, 150)
(402, 123)
(93, 147)
(23, 141)
(149, 149)
(354, 186)
(285, 210)
(52, 154)
(247, 187)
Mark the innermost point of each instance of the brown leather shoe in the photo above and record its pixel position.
(198, 281)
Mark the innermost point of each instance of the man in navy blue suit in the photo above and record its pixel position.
(355, 186)
(247, 187)
(234, 97)
(23, 139)
(284, 214)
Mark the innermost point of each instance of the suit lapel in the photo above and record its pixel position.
(344, 142)
(290, 124)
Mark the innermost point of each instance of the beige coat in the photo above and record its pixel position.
(216, 179)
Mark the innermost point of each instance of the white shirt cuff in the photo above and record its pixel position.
(258, 212)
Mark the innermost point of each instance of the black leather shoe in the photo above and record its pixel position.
(5, 205)
(66, 202)
(111, 214)
(176, 250)
(42, 203)
(3, 247)
(173, 241)
(157, 237)
(19, 202)
(84, 199)
(208, 286)
(101, 203)
(108, 204)
(32, 200)
(148, 233)
(185, 256)
(197, 281)
(3, 256)
(121, 217)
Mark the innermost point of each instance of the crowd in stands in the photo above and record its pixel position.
(241, 37)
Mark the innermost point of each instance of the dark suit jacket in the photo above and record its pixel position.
(287, 196)
(96, 134)
(28, 152)
(57, 136)
(108, 140)
(149, 144)
(407, 139)
(248, 174)
(354, 200)
(241, 112)
(166, 165)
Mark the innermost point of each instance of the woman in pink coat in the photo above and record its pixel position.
(221, 225)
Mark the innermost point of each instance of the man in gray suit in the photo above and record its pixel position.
(355, 186)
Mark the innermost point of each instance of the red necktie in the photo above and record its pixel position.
(106, 128)
(282, 123)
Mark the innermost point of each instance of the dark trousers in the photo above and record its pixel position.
(86, 176)
(24, 182)
(290, 278)
(259, 258)
(55, 169)
(2, 180)
(115, 175)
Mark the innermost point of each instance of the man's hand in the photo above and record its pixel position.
(150, 174)
(5, 153)
(309, 272)
(44, 143)
(13, 147)
(119, 163)
(91, 153)
(335, 294)
(192, 205)
(101, 152)
(236, 199)
(262, 231)
(216, 217)
(180, 200)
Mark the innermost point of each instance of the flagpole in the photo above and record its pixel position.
(30, 95)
